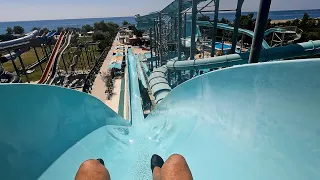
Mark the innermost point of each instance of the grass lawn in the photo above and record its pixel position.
(36, 75)
(84, 39)
(86, 61)
(28, 58)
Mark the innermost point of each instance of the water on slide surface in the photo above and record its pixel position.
(248, 122)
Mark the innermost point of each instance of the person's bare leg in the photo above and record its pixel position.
(175, 168)
(156, 173)
(92, 170)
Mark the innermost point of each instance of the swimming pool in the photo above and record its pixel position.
(225, 46)
(148, 55)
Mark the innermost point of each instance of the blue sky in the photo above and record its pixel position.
(15, 10)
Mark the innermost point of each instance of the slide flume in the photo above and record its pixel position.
(52, 59)
(247, 122)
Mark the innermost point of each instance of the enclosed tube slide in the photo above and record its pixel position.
(290, 51)
(19, 41)
(247, 32)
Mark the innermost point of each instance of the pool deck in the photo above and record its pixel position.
(98, 88)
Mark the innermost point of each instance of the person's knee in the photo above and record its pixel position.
(92, 169)
(176, 167)
(90, 164)
(177, 159)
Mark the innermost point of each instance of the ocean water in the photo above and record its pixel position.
(78, 23)
(278, 15)
(53, 24)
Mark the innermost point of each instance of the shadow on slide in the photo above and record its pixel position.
(248, 122)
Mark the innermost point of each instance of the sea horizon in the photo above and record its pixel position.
(79, 22)
(142, 15)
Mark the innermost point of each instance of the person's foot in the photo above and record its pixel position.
(101, 161)
(156, 161)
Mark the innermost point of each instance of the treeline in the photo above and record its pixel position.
(10, 32)
(16, 31)
(309, 26)
(104, 32)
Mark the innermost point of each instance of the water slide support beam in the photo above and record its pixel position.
(175, 31)
(46, 52)
(179, 28)
(24, 68)
(193, 28)
(150, 35)
(272, 38)
(160, 38)
(282, 38)
(179, 35)
(14, 64)
(193, 31)
(236, 26)
(261, 24)
(242, 38)
(35, 51)
(215, 27)
(185, 26)
(222, 48)
(155, 41)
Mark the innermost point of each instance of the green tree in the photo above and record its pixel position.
(204, 18)
(247, 22)
(44, 30)
(36, 28)
(9, 30)
(18, 30)
(99, 35)
(60, 29)
(75, 38)
(87, 28)
(305, 19)
(125, 23)
(104, 33)
(104, 38)
(110, 27)
(224, 21)
(296, 22)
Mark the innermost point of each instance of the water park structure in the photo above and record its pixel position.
(234, 111)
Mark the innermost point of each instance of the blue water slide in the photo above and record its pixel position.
(51, 34)
(247, 122)
(136, 113)
(141, 72)
(230, 28)
(295, 50)
(20, 41)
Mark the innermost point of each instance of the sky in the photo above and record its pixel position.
(22, 10)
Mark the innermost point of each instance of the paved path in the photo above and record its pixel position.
(98, 88)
